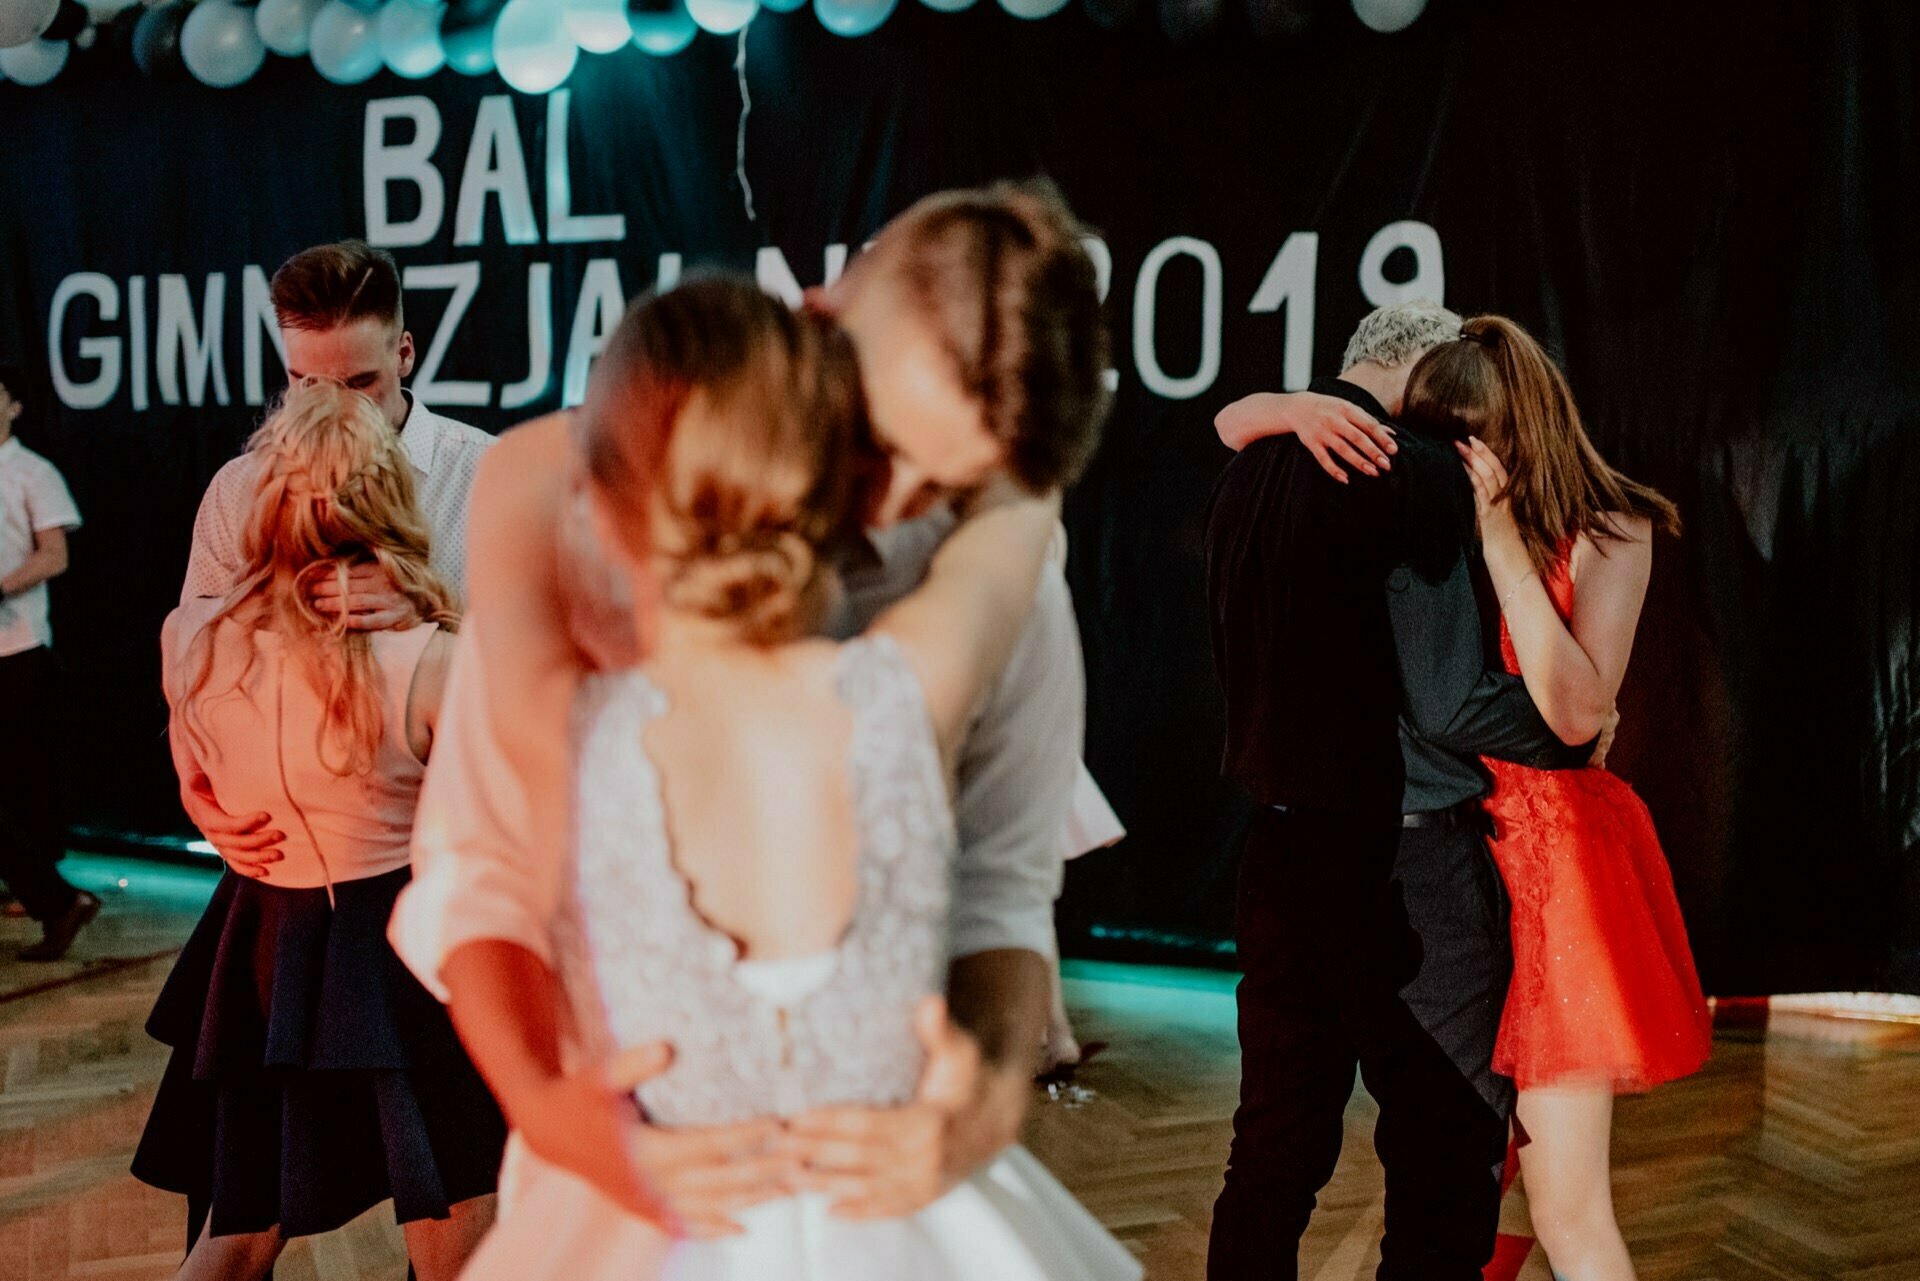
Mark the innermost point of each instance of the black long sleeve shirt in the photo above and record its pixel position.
(1348, 637)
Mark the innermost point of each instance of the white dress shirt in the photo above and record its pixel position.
(445, 455)
(33, 500)
(477, 876)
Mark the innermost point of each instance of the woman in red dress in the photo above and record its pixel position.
(1604, 997)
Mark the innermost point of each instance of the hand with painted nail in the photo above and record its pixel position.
(1335, 431)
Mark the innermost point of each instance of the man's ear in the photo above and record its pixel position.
(406, 353)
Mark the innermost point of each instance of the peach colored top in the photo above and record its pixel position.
(256, 736)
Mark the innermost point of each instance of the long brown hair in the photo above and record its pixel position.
(334, 490)
(1495, 382)
(717, 431)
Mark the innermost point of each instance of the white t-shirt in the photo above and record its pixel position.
(33, 500)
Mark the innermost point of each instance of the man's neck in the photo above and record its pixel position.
(1385, 385)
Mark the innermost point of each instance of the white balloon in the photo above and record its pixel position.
(949, 6)
(531, 46)
(284, 25)
(598, 26)
(469, 50)
(1033, 9)
(662, 33)
(344, 47)
(853, 17)
(22, 21)
(35, 62)
(409, 37)
(1389, 15)
(221, 44)
(723, 17)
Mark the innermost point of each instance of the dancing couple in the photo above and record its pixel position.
(1413, 771)
(735, 809)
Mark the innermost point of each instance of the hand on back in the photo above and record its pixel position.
(369, 600)
(1337, 432)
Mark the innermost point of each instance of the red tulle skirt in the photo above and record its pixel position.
(1604, 989)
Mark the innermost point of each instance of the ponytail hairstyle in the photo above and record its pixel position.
(1495, 382)
(335, 490)
(718, 431)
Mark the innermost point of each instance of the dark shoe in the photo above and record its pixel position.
(59, 933)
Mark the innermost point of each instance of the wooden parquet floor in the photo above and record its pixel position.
(1795, 1156)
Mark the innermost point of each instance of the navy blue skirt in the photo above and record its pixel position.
(312, 1077)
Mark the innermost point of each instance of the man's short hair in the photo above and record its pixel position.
(328, 286)
(1400, 334)
(13, 380)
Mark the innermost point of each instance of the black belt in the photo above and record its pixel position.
(1467, 816)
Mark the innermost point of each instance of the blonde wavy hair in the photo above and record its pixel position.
(335, 490)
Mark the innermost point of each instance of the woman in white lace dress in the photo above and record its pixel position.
(762, 823)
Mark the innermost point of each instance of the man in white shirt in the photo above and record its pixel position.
(36, 513)
(341, 317)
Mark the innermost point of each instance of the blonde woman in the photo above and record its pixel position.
(312, 1077)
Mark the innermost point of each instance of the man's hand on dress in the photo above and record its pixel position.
(370, 600)
(881, 1163)
(690, 1183)
(248, 843)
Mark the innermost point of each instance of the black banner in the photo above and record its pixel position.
(1704, 209)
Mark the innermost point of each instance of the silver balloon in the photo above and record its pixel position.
(23, 21)
(221, 44)
(722, 17)
(1033, 10)
(35, 62)
(409, 36)
(662, 31)
(532, 47)
(285, 25)
(344, 47)
(853, 17)
(598, 26)
(1389, 15)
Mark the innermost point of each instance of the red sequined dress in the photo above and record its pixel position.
(1604, 989)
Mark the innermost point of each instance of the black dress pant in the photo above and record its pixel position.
(32, 829)
(1367, 946)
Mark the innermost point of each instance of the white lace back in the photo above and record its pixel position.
(640, 965)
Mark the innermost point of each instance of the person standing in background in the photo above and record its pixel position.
(36, 514)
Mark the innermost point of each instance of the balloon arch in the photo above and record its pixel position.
(533, 44)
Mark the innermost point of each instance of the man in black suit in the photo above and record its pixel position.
(1361, 688)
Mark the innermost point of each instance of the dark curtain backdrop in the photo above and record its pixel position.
(1705, 209)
